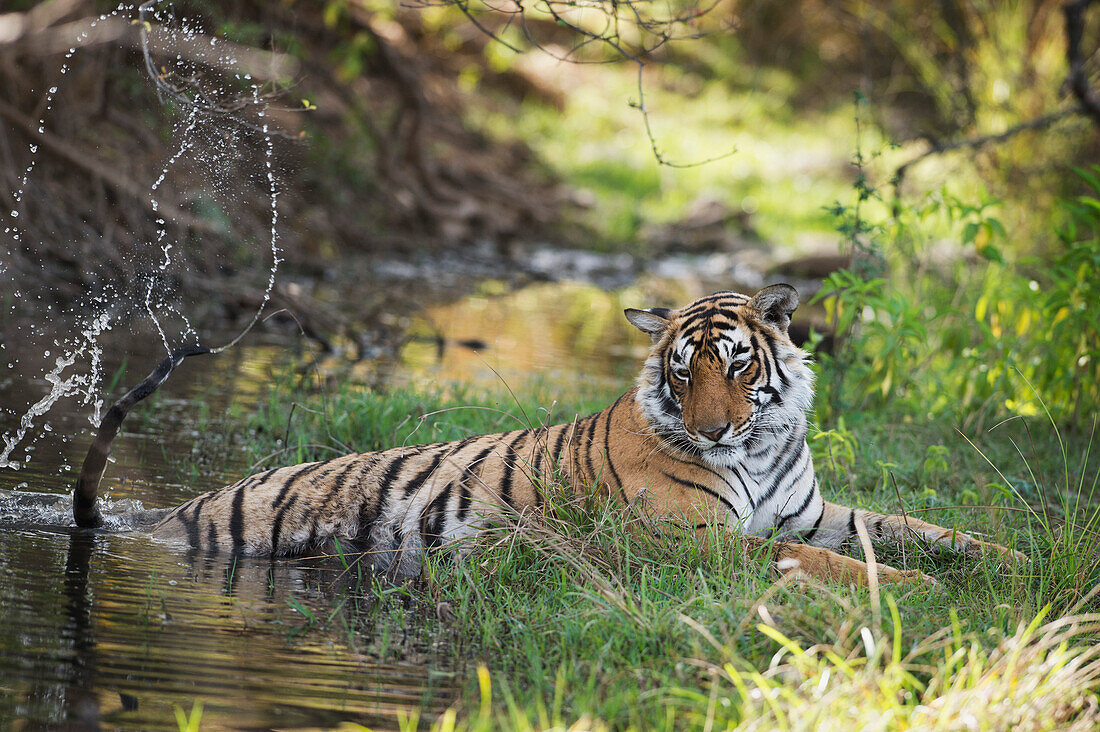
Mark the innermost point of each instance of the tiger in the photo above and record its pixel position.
(713, 433)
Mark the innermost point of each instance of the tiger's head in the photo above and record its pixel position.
(723, 374)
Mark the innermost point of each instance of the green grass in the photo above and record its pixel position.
(595, 614)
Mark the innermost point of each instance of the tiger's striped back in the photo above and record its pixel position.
(391, 504)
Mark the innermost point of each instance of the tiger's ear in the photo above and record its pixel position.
(776, 304)
(653, 321)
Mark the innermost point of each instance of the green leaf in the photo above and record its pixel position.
(1089, 178)
(970, 231)
(991, 253)
(1089, 202)
(996, 226)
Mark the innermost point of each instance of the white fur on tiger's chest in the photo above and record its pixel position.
(772, 489)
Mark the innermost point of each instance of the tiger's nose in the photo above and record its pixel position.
(714, 434)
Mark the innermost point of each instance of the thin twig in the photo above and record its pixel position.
(904, 515)
(654, 33)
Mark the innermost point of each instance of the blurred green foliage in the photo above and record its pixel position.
(771, 81)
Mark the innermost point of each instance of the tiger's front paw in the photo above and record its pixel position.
(989, 549)
(908, 577)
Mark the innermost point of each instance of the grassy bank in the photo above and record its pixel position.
(592, 614)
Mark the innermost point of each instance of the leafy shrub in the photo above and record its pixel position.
(971, 335)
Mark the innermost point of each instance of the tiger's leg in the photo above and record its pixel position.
(838, 526)
(794, 559)
(823, 564)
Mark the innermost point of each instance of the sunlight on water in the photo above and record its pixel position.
(569, 334)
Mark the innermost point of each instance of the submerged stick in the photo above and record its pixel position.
(85, 507)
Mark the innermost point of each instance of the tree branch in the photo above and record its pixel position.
(601, 23)
(938, 147)
(215, 53)
(1088, 102)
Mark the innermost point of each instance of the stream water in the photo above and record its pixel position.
(112, 630)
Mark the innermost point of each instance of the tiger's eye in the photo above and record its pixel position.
(737, 367)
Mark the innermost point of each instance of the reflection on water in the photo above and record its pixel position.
(558, 333)
(114, 630)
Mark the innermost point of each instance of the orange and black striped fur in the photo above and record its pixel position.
(715, 430)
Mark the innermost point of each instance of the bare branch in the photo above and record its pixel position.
(601, 23)
(938, 147)
(661, 160)
(196, 48)
(1087, 98)
(191, 92)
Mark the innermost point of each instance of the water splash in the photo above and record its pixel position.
(185, 144)
(64, 384)
(27, 509)
(206, 140)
